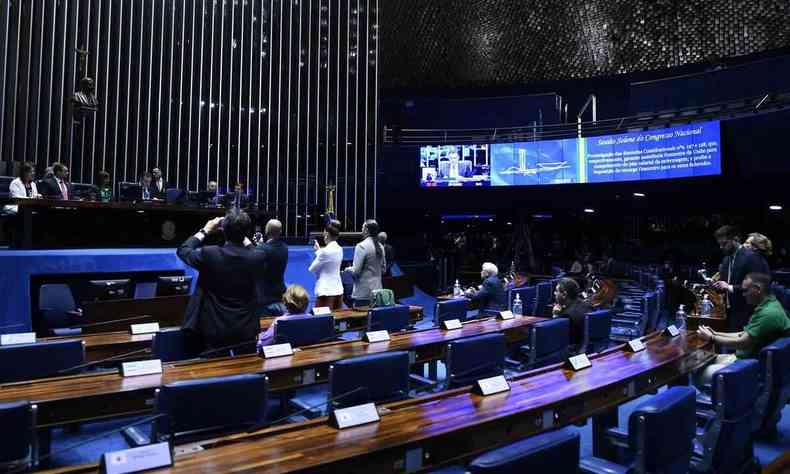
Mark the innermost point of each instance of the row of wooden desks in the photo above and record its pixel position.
(86, 397)
(100, 346)
(436, 430)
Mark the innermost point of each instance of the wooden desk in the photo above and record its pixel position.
(99, 346)
(78, 398)
(455, 425)
(118, 315)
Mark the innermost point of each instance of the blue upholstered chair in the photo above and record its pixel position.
(305, 330)
(474, 358)
(774, 388)
(392, 318)
(548, 343)
(172, 344)
(39, 360)
(527, 295)
(597, 327)
(556, 452)
(195, 409)
(450, 309)
(724, 444)
(542, 299)
(18, 451)
(57, 309)
(660, 435)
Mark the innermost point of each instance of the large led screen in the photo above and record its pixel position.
(677, 152)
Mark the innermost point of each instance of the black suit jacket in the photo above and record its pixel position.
(156, 193)
(50, 188)
(222, 310)
(272, 284)
(576, 312)
(491, 296)
(744, 261)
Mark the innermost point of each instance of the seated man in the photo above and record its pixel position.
(295, 300)
(237, 198)
(57, 186)
(569, 305)
(491, 295)
(767, 323)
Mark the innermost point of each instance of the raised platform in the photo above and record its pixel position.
(20, 266)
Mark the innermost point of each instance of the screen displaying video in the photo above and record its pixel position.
(676, 152)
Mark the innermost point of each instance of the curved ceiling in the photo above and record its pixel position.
(470, 43)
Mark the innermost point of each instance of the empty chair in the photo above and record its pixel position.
(725, 443)
(304, 330)
(451, 309)
(202, 408)
(660, 435)
(527, 296)
(475, 358)
(18, 451)
(390, 318)
(57, 309)
(42, 359)
(542, 299)
(173, 344)
(548, 343)
(775, 387)
(597, 327)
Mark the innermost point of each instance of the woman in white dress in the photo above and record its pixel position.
(326, 266)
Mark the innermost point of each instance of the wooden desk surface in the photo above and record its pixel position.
(115, 205)
(443, 428)
(84, 397)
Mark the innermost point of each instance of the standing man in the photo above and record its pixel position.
(737, 263)
(158, 185)
(275, 258)
(58, 186)
(221, 313)
(389, 253)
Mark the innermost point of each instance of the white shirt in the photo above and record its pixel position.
(17, 190)
(326, 266)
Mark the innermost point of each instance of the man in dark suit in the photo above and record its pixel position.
(389, 253)
(271, 286)
(569, 305)
(237, 198)
(738, 262)
(221, 313)
(148, 188)
(158, 185)
(491, 295)
(57, 186)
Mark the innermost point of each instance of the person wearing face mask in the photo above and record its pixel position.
(738, 262)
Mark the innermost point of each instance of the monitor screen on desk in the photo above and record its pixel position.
(103, 290)
(173, 285)
(130, 191)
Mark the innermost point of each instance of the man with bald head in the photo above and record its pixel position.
(272, 286)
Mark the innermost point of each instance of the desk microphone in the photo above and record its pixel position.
(461, 375)
(114, 321)
(108, 359)
(226, 348)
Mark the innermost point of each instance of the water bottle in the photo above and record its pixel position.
(707, 306)
(518, 307)
(457, 289)
(680, 318)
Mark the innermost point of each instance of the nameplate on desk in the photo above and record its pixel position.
(491, 385)
(377, 336)
(450, 324)
(322, 311)
(504, 315)
(141, 367)
(636, 345)
(146, 328)
(277, 350)
(137, 459)
(17, 338)
(579, 362)
(354, 416)
(672, 331)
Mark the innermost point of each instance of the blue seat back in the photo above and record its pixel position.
(775, 367)
(550, 340)
(18, 426)
(173, 344)
(451, 309)
(391, 318)
(526, 294)
(475, 358)
(597, 327)
(558, 450)
(542, 299)
(372, 378)
(54, 302)
(663, 429)
(734, 393)
(206, 407)
(42, 359)
(305, 330)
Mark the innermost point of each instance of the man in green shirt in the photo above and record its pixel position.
(768, 323)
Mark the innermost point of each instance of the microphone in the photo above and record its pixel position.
(114, 321)
(10, 326)
(108, 359)
(261, 426)
(90, 440)
(226, 348)
(461, 375)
